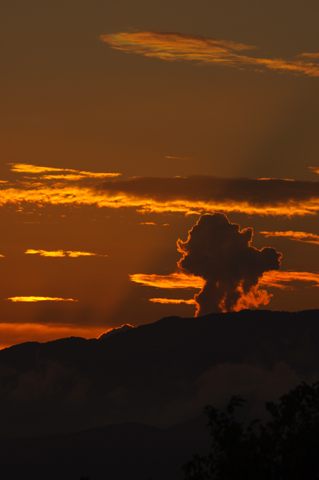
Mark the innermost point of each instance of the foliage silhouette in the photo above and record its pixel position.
(286, 447)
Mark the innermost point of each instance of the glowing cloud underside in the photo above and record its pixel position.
(203, 50)
(297, 236)
(40, 299)
(61, 253)
(189, 195)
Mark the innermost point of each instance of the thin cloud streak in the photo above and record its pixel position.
(278, 279)
(174, 301)
(35, 169)
(297, 236)
(171, 281)
(31, 299)
(180, 280)
(61, 253)
(175, 46)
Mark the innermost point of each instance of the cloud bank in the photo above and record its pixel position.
(194, 194)
(180, 280)
(174, 46)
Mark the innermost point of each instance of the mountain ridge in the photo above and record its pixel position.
(159, 374)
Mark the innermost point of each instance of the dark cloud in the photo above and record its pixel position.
(264, 196)
(221, 253)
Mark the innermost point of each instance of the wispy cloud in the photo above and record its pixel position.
(148, 223)
(40, 299)
(171, 281)
(64, 172)
(179, 280)
(314, 169)
(278, 279)
(175, 46)
(174, 301)
(61, 253)
(297, 236)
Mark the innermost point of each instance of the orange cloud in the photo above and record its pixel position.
(171, 281)
(278, 279)
(189, 195)
(256, 297)
(147, 223)
(61, 253)
(34, 169)
(40, 299)
(314, 169)
(175, 301)
(298, 236)
(203, 50)
(179, 279)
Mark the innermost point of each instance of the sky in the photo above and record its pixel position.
(158, 158)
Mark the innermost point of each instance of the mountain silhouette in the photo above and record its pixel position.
(142, 385)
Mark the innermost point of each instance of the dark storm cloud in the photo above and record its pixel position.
(221, 253)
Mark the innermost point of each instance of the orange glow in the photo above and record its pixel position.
(314, 169)
(62, 253)
(16, 333)
(27, 168)
(175, 301)
(115, 328)
(40, 299)
(298, 236)
(174, 280)
(147, 223)
(180, 47)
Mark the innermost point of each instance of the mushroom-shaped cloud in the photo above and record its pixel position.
(221, 253)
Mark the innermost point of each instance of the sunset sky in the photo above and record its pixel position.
(121, 123)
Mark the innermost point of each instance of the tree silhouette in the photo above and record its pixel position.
(285, 448)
